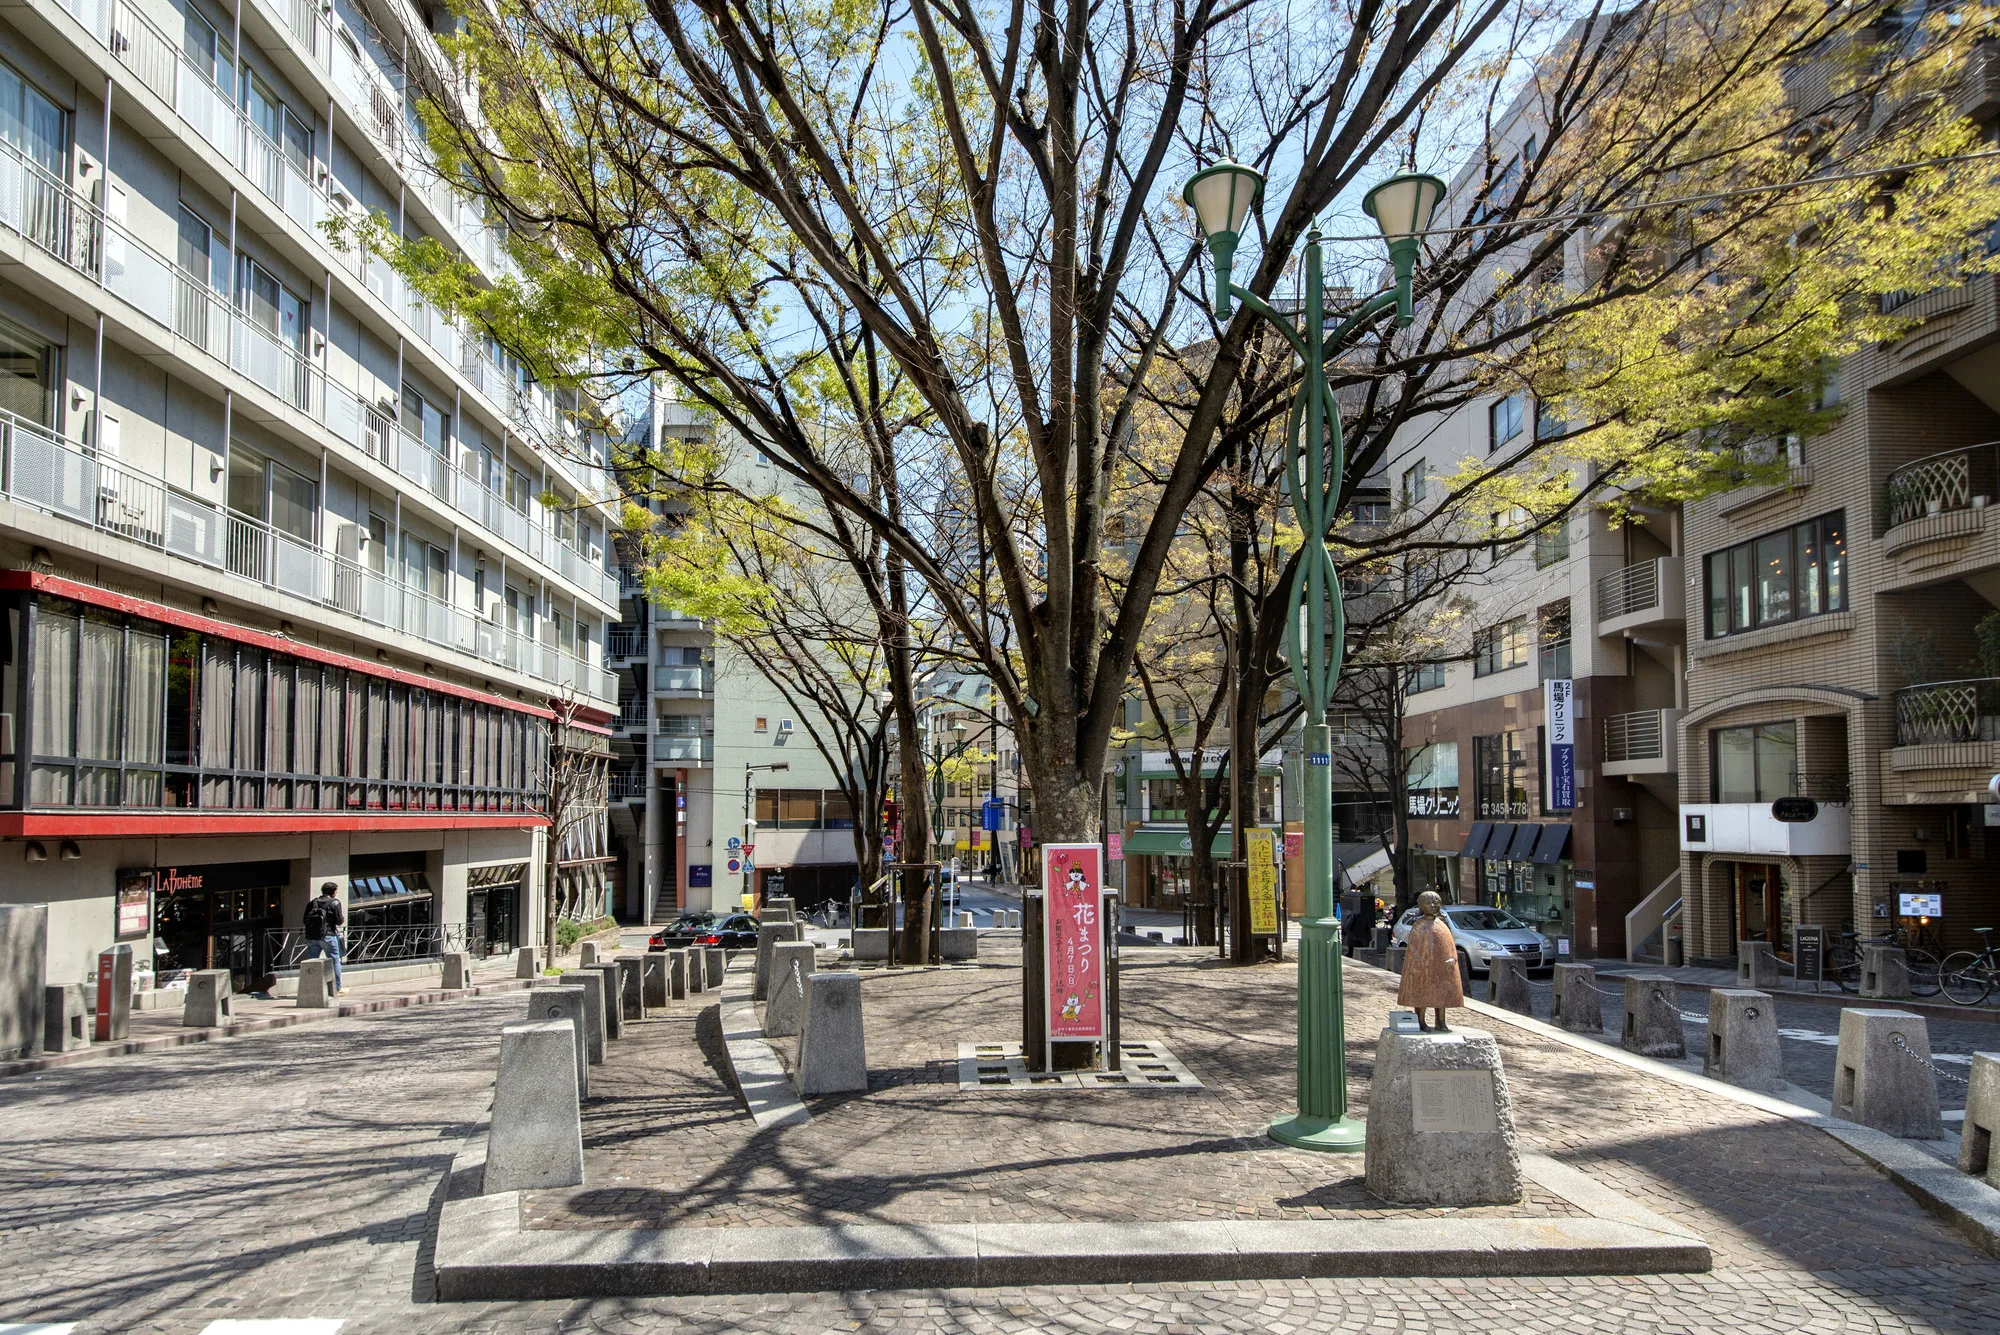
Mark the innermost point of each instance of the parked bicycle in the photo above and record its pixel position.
(1968, 977)
(1844, 960)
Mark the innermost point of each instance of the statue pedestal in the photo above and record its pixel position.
(1440, 1121)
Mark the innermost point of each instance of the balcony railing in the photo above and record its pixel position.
(622, 644)
(41, 469)
(626, 785)
(1636, 588)
(1960, 479)
(1636, 736)
(682, 680)
(687, 750)
(631, 714)
(1949, 711)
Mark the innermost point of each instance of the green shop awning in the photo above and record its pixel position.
(1172, 842)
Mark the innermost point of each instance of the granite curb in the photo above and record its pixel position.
(484, 1253)
(1966, 1203)
(255, 1024)
(761, 1079)
(1930, 1010)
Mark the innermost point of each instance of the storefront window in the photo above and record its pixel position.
(1540, 896)
(1432, 778)
(1505, 775)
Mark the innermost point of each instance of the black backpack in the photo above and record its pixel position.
(317, 920)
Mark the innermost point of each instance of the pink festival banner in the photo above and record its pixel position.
(1073, 941)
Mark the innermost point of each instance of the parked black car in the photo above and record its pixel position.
(737, 931)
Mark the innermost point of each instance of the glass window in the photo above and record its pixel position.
(1504, 420)
(1500, 647)
(1416, 482)
(426, 421)
(27, 376)
(1426, 677)
(1796, 572)
(1755, 763)
(56, 636)
(1774, 578)
(799, 809)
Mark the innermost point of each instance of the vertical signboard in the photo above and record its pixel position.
(1260, 857)
(1559, 725)
(135, 903)
(1073, 941)
(1115, 845)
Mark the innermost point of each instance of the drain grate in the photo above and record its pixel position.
(1143, 1064)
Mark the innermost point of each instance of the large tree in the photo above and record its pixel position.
(743, 195)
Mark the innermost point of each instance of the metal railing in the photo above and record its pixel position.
(1948, 711)
(41, 469)
(631, 714)
(1641, 735)
(687, 679)
(684, 749)
(286, 947)
(626, 785)
(1636, 588)
(1959, 479)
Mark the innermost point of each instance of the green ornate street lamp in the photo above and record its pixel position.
(1221, 197)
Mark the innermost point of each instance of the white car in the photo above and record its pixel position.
(1482, 932)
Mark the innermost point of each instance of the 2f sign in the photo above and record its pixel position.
(1559, 716)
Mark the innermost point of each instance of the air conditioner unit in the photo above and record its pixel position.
(784, 725)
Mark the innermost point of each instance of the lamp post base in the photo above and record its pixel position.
(1342, 1135)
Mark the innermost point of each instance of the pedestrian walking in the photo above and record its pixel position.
(323, 921)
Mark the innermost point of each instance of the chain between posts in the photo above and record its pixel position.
(1903, 1046)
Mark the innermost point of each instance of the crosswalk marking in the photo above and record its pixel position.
(281, 1326)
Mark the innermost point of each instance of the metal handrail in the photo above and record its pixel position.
(1960, 479)
(1937, 712)
(1635, 588)
(1639, 735)
(285, 947)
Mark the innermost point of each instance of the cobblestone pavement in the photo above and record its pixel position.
(295, 1174)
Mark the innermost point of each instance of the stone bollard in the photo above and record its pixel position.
(1653, 1017)
(631, 987)
(958, 943)
(697, 969)
(1982, 1119)
(536, 1138)
(586, 955)
(1440, 1121)
(1756, 966)
(566, 1002)
(783, 902)
(1507, 985)
(654, 985)
(1577, 1007)
(1882, 1075)
(791, 965)
(1885, 973)
(769, 934)
(774, 916)
(314, 975)
(832, 1056)
(713, 962)
(209, 1002)
(999, 919)
(527, 963)
(65, 1018)
(614, 1010)
(594, 1032)
(1743, 1040)
(1382, 938)
(457, 971)
(1396, 954)
(871, 943)
(677, 973)
(965, 918)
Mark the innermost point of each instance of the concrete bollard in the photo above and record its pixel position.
(631, 988)
(871, 943)
(958, 943)
(586, 955)
(565, 1002)
(775, 916)
(1507, 985)
(1882, 1075)
(1653, 1017)
(594, 1032)
(527, 963)
(999, 919)
(1885, 973)
(457, 971)
(65, 1018)
(1982, 1119)
(1577, 1007)
(1396, 954)
(677, 973)
(654, 987)
(1382, 938)
(713, 962)
(964, 918)
(1440, 1121)
(783, 903)
(209, 1002)
(314, 975)
(697, 970)
(791, 965)
(1743, 1040)
(1756, 966)
(536, 1138)
(832, 1057)
(769, 934)
(614, 1010)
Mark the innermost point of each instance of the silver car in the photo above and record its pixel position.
(1483, 932)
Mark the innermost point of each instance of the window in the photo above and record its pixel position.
(1432, 781)
(1503, 775)
(1552, 544)
(27, 376)
(1503, 420)
(1416, 484)
(1548, 424)
(1369, 512)
(208, 53)
(1783, 576)
(1426, 677)
(1555, 635)
(1755, 763)
(426, 421)
(1500, 647)
(798, 809)
(763, 724)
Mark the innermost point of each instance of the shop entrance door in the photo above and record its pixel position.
(1760, 893)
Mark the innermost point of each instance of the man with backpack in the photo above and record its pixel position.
(324, 919)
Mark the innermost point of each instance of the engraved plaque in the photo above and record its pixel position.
(1453, 1101)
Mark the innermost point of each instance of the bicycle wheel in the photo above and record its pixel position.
(1965, 978)
(1924, 973)
(1846, 971)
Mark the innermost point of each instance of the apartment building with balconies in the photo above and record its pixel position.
(294, 567)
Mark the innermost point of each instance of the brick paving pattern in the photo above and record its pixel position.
(296, 1174)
